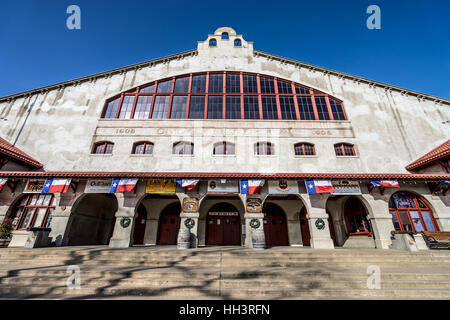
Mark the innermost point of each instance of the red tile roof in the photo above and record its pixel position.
(219, 175)
(441, 152)
(9, 150)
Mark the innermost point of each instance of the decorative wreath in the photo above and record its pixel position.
(189, 223)
(320, 224)
(125, 222)
(254, 223)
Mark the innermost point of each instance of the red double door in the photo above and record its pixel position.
(275, 226)
(223, 229)
(139, 225)
(169, 224)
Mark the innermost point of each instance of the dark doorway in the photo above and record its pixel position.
(275, 226)
(223, 225)
(331, 226)
(304, 228)
(139, 225)
(169, 224)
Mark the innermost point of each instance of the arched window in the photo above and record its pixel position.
(183, 148)
(344, 149)
(356, 217)
(212, 43)
(143, 147)
(224, 148)
(304, 149)
(237, 43)
(264, 149)
(34, 210)
(411, 213)
(224, 95)
(225, 36)
(103, 147)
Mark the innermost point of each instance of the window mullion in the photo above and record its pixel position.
(188, 104)
(242, 95)
(205, 116)
(277, 98)
(224, 81)
(294, 96)
(327, 101)
(171, 98)
(153, 100)
(119, 107)
(258, 85)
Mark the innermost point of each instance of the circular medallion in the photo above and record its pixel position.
(320, 224)
(125, 222)
(189, 223)
(254, 223)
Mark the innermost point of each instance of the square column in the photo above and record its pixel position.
(253, 210)
(189, 210)
(122, 235)
(318, 221)
(380, 219)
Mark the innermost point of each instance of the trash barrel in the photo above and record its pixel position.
(258, 239)
(184, 237)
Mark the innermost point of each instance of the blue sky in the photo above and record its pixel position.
(412, 49)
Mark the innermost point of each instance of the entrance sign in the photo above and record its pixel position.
(345, 187)
(283, 187)
(160, 186)
(98, 186)
(34, 186)
(218, 186)
(223, 213)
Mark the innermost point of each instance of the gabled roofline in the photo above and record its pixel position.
(194, 52)
(339, 74)
(439, 153)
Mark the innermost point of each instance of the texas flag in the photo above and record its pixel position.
(122, 185)
(188, 184)
(56, 185)
(386, 183)
(251, 186)
(2, 182)
(319, 186)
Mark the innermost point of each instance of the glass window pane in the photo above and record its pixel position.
(405, 221)
(229, 148)
(322, 109)
(197, 107)
(395, 221)
(199, 84)
(143, 106)
(109, 148)
(139, 149)
(148, 148)
(40, 214)
(336, 109)
(179, 105)
(215, 83)
(305, 108)
(251, 107)
(233, 107)
(269, 107)
(215, 107)
(127, 107)
(26, 221)
(416, 221)
(426, 215)
(284, 87)
(250, 84)
(161, 107)
(267, 85)
(111, 109)
(219, 148)
(164, 87)
(366, 223)
(17, 217)
(23, 201)
(47, 199)
(182, 85)
(233, 83)
(301, 90)
(34, 199)
(349, 150)
(149, 89)
(287, 107)
(352, 224)
(338, 150)
(49, 218)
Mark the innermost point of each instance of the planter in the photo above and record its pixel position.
(258, 239)
(184, 239)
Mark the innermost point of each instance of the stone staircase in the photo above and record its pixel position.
(222, 273)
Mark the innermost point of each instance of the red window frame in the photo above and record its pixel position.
(26, 206)
(294, 94)
(416, 199)
(264, 149)
(345, 150)
(107, 145)
(146, 144)
(184, 144)
(300, 149)
(351, 211)
(224, 145)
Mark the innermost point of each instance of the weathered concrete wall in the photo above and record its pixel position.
(388, 129)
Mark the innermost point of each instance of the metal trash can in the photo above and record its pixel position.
(184, 239)
(258, 239)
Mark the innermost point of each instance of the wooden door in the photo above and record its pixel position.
(275, 226)
(223, 230)
(304, 228)
(169, 224)
(139, 225)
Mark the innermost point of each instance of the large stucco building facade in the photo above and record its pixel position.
(220, 114)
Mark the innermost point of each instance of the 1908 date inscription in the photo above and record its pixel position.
(125, 131)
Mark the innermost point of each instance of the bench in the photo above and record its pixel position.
(437, 240)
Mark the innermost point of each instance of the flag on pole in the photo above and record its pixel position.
(56, 185)
(386, 183)
(251, 186)
(122, 185)
(319, 186)
(188, 184)
(2, 182)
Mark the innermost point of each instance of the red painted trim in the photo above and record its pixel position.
(330, 112)
(275, 80)
(205, 116)
(258, 84)
(297, 111)
(316, 114)
(188, 104)
(242, 95)
(224, 82)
